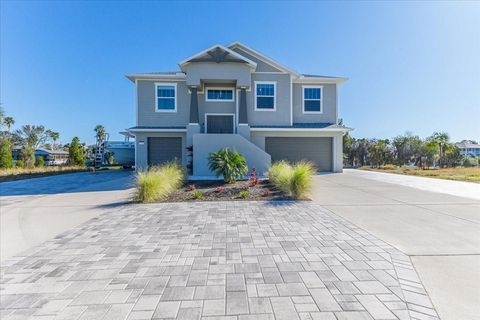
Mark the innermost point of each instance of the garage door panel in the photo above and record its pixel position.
(162, 150)
(293, 149)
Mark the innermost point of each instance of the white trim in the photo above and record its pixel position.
(274, 95)
(230, 51)
(219, 88)
(243, 124)
(263, 57)
(291, 101)
(304, 129)
(220, 114)
(321, 99)
(159, 76)
(237, 105)
(192, 124)
(319, 80)
(270, 72)
(157, 84)
(136, 102)
(157, 130)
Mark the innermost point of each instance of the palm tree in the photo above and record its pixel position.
(9, 122)
(441, 138)
(54, 136)
(100, 133)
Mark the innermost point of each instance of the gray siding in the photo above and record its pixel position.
(261, 66)
(329, 113)
(198, 71)
(146, 114)
(215, 106)
(281, 116)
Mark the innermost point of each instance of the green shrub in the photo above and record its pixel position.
(295, 180)
(231, 165)
(6, 160)
(27, 154)
(470, 162)
(244, 194)
(279, 174)
(20, 164)
(301, 180)
(40, 162)
(197, 194)
(158, 183)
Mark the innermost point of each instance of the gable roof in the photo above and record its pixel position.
(217, 53)
(261, 56)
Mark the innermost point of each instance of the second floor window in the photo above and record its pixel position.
(214, 94)
(166, 97)
(312, 99)
(265, 96)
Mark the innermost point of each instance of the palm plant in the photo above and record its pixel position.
(100, 133)
(9, 122)
(231, 165)
(54, 136)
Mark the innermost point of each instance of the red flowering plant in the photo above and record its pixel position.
(220, 190)
(253, 179)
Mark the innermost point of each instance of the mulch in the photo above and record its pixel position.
(221, 191)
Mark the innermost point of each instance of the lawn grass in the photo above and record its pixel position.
(459, 174)
(26, 173)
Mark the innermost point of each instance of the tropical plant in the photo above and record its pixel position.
(253, 179)
(9, 122)
(20, 164)
(157, 183)
(197, 195)
(54, 136)
(76, 153)
(27, 154)
(244, 194)
(441, 138)
(39, 162)
(231, 165)
(6, 159)
(100, 133)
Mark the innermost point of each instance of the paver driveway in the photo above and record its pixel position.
(234, 260)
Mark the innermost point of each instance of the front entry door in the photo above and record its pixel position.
(219, 123)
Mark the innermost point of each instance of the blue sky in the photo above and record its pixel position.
(412, 66)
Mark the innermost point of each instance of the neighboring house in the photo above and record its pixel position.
(469, 148)
(51, 157)
(233, 96)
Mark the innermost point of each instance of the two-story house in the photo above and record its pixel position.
(234, 96)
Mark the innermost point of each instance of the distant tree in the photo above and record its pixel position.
(33, 136)
(27, 154)
(100, 133)
(452, 156)
(6, 159)
(20, 164)
(379, 152)
(9, 122)
(40, 162)
(76, 153)
(441, 138)
(54, 136)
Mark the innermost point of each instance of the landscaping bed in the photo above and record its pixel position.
(221, 191)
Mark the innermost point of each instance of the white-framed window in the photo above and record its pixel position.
(165, 97)
(312, 99)
(265, 95)
(220, 94)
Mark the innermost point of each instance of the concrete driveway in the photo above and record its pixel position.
(35, 210)
(439, 231)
